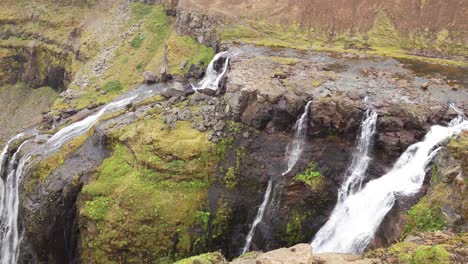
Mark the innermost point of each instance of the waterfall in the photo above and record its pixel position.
(212, 76)
(354, 221)
(293, 152)
(9, 235)
(12, 170)
(81, 127)
(294, 149)
(356, 172)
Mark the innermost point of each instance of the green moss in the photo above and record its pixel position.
(185, 49)
(430, 254)
(382, 39)
(97, 208)
(148, 171)
(208, 258)
(412, 253)
(45, 167)
(424, 216)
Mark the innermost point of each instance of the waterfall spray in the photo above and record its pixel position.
(354, 221)
(212, 76)
(357, 171)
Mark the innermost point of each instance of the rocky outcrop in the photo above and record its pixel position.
(199, 26)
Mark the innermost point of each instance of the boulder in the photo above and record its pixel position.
(150, 77)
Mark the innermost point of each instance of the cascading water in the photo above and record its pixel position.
(9, 235)
(78, 128)
(356, 172)
(293, 152)
(294, 149)
(354, 221)
(212, 76)
(12, 171)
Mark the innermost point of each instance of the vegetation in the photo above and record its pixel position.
(424, 216)
(382, 39)
(418, 254)
(294, 233)
(208, 258)
(312, 177)
(146, 193)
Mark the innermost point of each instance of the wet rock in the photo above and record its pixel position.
(172, 91)
(150, 77)
(189, 90)
(196, 71)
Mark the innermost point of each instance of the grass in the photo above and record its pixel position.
(382, 39)
(185, 49)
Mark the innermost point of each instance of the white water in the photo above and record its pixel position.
(357, 171)
(293, 152)
(212, 77)
(9, 236)
(14, 169)
(78, 128)
(294, 149)
(354, 221)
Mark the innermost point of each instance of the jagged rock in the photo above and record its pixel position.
(185, 115)
(219, 126)
(150, 77)
(172, 91)
(189, 90)
(196, 71)
(298, 254)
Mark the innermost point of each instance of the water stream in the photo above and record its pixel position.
(357, 171)
(293, 152)
(356, 218)
(12, 171)
(212, 76)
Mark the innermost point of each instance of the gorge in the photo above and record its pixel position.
(206, 131)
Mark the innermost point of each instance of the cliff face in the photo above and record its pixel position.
(179, 173)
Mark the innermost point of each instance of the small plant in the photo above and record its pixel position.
(202, 218)
(309, 174)
(230, 178)
(233, 127)
(113, 86)
(137, 40)
(294, 228)
(222, 146)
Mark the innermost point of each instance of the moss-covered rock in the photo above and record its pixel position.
(146, 197)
